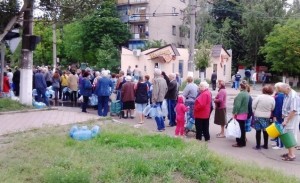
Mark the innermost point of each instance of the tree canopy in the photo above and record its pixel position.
(282, 49)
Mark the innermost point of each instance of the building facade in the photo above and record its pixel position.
(175, 60)
(153, 20)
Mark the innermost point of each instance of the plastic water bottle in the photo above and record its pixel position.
(95, 131)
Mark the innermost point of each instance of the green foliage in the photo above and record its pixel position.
(73, 41)
(11, 105)
(43, 54)
(202, 56)
(107, 55)
(154, 44)
(104, 21)
(282, 49)
(8, 9)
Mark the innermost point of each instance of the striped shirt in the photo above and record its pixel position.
(290, 103)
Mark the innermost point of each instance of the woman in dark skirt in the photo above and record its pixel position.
(127, 96)
(220, 111)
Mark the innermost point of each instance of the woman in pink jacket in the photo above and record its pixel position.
(202, 111)
(180, 110)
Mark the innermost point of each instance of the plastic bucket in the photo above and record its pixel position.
(288, 140)
(274, 130)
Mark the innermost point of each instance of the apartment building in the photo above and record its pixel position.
(154, 20)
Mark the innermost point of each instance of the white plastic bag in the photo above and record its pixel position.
(233, 129)
(147, 110)
(164, 108)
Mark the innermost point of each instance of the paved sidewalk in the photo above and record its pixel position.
(68, 115)
(15, 122)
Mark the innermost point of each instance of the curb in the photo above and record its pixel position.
(28, 110)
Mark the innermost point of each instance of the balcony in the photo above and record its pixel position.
(138, 18)
(139, 36)
(131, 2)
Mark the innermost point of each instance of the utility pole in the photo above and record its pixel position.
(192, 6)
(27, 57)
(54, 44)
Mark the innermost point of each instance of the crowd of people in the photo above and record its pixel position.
(278, 103)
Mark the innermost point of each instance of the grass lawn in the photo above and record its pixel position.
(7, 104)
(119, 154)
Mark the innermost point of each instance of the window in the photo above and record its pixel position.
(174, 30)
(181, 31)
(224, 70)
(145, 68)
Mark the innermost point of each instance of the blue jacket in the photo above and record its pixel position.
(279, 97)
(104, 87)
(39, 81)
(86, 87)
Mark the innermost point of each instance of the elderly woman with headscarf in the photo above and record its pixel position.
(103, 91)
(220, 109)
(240, 112)
(202, 109)
(127, 96)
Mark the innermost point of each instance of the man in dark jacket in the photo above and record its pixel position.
(214, 80)
(16, 81)
(41, 86)
(171, 97)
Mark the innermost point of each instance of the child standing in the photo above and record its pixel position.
(180, 109)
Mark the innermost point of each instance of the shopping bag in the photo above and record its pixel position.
(147, 110)
(93, 100)
(164, 108)
(233, 129)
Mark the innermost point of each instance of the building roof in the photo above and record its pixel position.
(217, 49)
(171, 45)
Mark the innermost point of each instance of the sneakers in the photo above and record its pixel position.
(277, 148)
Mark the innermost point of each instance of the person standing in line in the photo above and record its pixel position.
(127, 97)
(171, 98)
(202, 111)
(10, 76)
(48, 76)
(73, 85)
(237, 80)
(141, 97)
(5, 85)
(103, 91)
(41, 86)
(262, 107)
(233, 81)
(86, 90)
(290, 113)
(136, 73)
(220, 106)
(240, 113)
(16, 81)
(64, 85)
(180, 109)
(55, 86)
(214, 80)
(254, 79)
(277, 112)
(190, 92)
(159, 91)
(129, 72)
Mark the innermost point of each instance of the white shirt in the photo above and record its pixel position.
(10, 76)
(253, 78)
